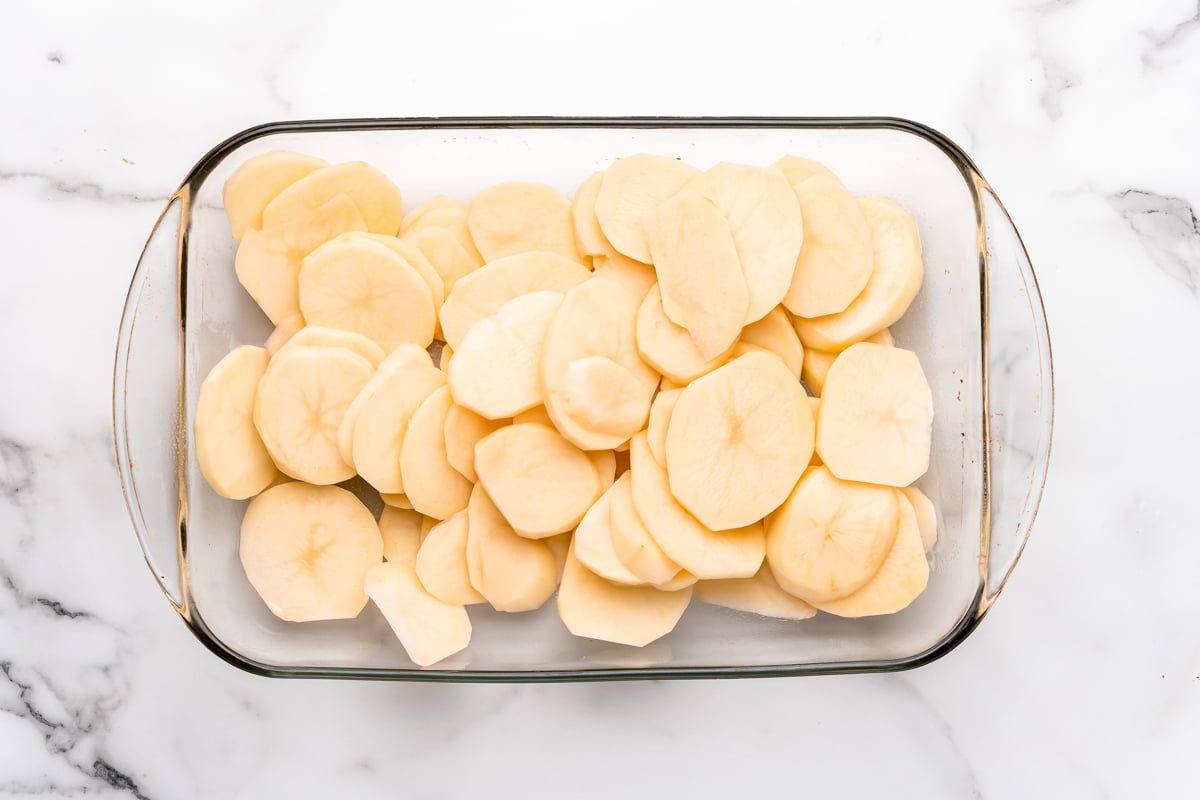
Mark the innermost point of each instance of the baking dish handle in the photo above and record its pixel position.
(147, 400)
(1020, 393)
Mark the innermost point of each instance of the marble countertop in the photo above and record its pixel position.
(1084, 680)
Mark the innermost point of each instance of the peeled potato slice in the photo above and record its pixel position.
(589, 239)
(635, 277)
(797, 169)
(542, 484)
(300, 402)
(594, 608)
(536, 414)
(320, 336)
(434, 203)
(285, 330)
(831, 536)
(512, 572)
(495, 371)
(307, 551)
(837, 258)
(669, 348)
(268, 261)
(738, 440)
(454, 221)
(817, 362)
(876, 416)
(758, 595)
(605, 464)
(257, 182)
(406, 356)
(481, 293)
(428, 629)
(926, 515)
(519, 217)
(697, 549)
(231, 453)
(660, 418)
(434, 487)
(401, 531)
(764, 218)
(594, 543)
(602, 398)
(442, 562)
(559, 547)
(775, 333)
(464, 429)
(894, 282)
(382, 427)
(633, 545)
(447, 255)
(632, 187)
(376, 196)
(365, 287)
(699, 274)
(902, 576)
(682, 580)
(412, 255)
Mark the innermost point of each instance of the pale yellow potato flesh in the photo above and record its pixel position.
(441, 562)
(464, 429)
(434, 203)
(512, 572)
(775, 333)
(377, 198)
(321, 336)
(637, 278)
(428, 629)
(413, 256)
(876, 416)
(396, 500)
(817, 362)
(285, 330)
(660, 418)
(536, 414)
(632, 543)
(383, 422)
(682, 580)
(632, 187)
(593, 544)
(559, 547)
(434, 487)
(926, 515)
(603, 398)
(447, 255)
(604, 462)
(453, 220)
(257, 182)
(232, 456)
(307, 551)
(403, 357)
(669, 348)
(836, 261)
(758, 595)
(589, 239)
(797, 169)
(520, 217)
(401, 530)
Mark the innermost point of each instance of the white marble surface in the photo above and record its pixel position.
(1084, 681)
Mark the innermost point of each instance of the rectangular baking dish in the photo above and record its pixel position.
(978, 326)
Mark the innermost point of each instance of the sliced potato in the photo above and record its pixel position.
(383, 423)
(536, 414)
(285, 330)
(441, 562)
(797, 169)
(257, 182)
(520, 217)
(605, 464)
(464, 429)
(817, 362)
(669, 348)
(559, 547)
(633, 545)
(406, 356)
(428, 629)
(447, 255)
(660, 418)
(514, 573)
(232, 456)
(603, 398)
(758, 595)
(377, 198)
(594, 544)
(774, 333)
(413, 256)
(631, 188)
(432, 204)
(926, 516)
(401, 530)
(453, 220)
(589, 239)
(636, 278)
(396, 500)
(321, 336)
(837, 258)
(434, 487)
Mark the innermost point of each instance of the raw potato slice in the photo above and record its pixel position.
(453, 220)
(542, 484)
(300, 403)
(593, 608)
(764, 218)
(604, 398)
(775, 333)
(432, 204)
(758, 595)
(876, 416)
(495, 371)
(797, 169)
(396, 500)
(376, 196)
(594, 543)
(633, 544)
(434, 487)
(637, 278)
(319, 336)
(902, 576)
(401, 531)
(406, 356)
(894, 282)
(738, 440)
(481, 293)
(818, 362)
(232, 456)
(589, 239)
(682, 580)
(464, 429)
(519, 217)
(268, 261)
(605, 464)
(660, 418)
(699, 274)
(537, 414)
(836, 261)
(382, 425)
(428, 629)
(631, 188)
(697, 549)
(367, 288)
(257, 182)
(412, 255)
(307, 551)
(831, 536)
(513, 573)
(447, 255)
(559, 547)
(926, 515)
(669, 348)
(285, 330)
(442, 562)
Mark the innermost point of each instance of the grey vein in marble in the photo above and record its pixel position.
(1167, 229)
(83, 189)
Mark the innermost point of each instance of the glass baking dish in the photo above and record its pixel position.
(978, 326)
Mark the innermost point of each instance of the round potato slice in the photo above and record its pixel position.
(633, 545)
(434, 487)
(496, 368)
(831, 536)
(268, 261)
(738, 440)
(685, 540)
(601, 398)
(876, 416)
(285, 330)
(894, 282)
(594, 608)
(699, 274)
(320, 336)
(432, 204)
(428, 629)
(817, 362)
(377, 198)
(589, 239)
(604, 462)
(660, 418)
(758, 595)
(594, 543)
(926, 515)
(232, 456)
(519, 217)
(513, 573)
(383, 424)
(775, 333)
(480, 294)
(307, 551)
(406, 356)
(447, 255)
(631, 188)
(367, 288)
(636, 278)
(899, 580)
(837, 258)
(442, 562)
(464, 429)
(669, 348)
(300, 402)
(453, 220)
(542, 484)
(764, 218)
(413, 256)
(797, 169)
(401, 530)
(257, 181)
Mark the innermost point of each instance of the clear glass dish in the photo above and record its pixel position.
(978, 326)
